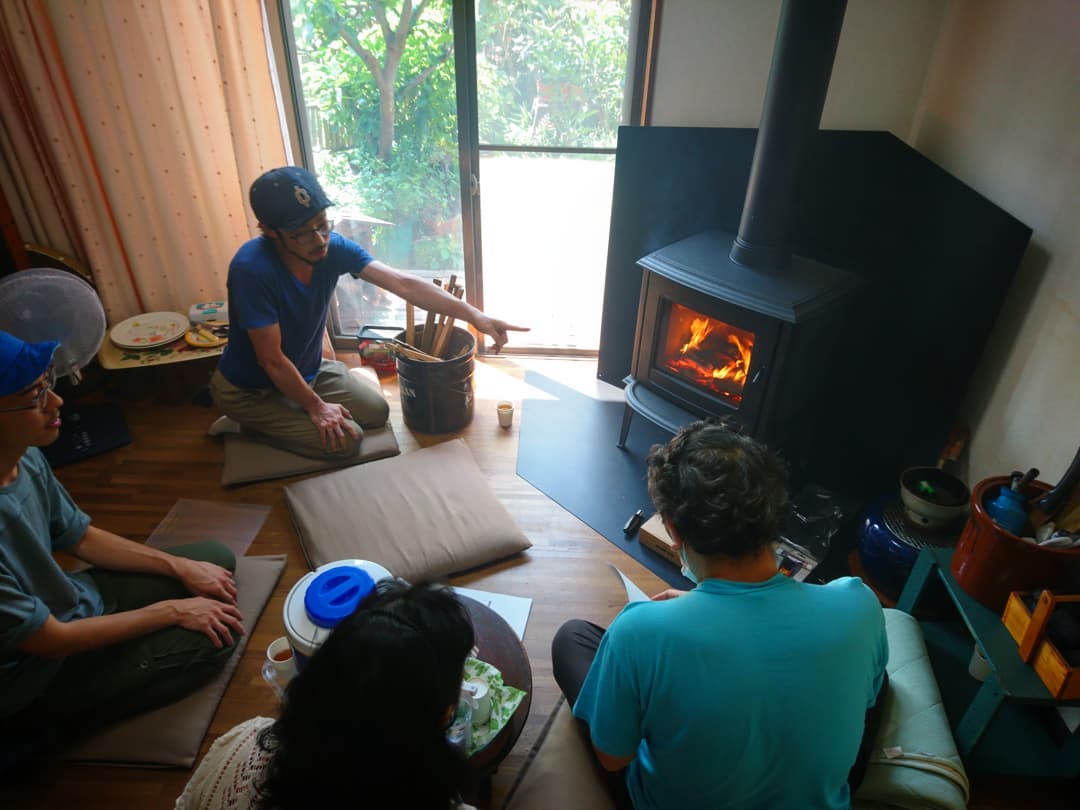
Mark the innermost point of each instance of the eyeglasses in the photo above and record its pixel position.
(38, 402)
(306, 236)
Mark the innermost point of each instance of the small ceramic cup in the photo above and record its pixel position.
(978, 667)
(479, 699)
(280, 654)
(505, 409)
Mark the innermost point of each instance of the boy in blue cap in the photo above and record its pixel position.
(139, 629)
(272, 378)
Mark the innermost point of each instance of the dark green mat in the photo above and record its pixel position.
(567, 450)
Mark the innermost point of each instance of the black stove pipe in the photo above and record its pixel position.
(802, 64)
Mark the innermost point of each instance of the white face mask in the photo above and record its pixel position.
(686, 572)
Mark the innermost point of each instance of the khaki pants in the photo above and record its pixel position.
(277, 421)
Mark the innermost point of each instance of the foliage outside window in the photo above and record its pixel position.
(382, 112)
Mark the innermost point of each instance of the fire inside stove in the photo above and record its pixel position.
(707, 353)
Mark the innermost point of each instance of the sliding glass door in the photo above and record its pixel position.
(408, 108)
(548, 88)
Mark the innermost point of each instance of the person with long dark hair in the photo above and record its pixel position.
(363, 724)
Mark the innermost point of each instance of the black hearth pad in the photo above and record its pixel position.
(567, 450)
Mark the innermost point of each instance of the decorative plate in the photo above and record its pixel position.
(148, 330)
(202, 338)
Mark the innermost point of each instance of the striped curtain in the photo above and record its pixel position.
(131, 130)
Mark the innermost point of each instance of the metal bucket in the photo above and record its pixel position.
(437, 395)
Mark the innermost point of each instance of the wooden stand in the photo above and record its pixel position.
(1029, 630)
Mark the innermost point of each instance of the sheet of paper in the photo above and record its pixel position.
(633, 592)
(190, 521)
(513, 609)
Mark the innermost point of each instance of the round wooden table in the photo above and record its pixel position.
(498, 645)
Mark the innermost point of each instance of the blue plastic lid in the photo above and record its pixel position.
(335, 593)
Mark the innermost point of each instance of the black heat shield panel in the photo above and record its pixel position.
(936, 259)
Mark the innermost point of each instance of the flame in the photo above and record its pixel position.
(699, 330)
(720, 364)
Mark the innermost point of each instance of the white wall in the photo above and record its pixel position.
(1001, 111)
(713, 60)
(988, 89)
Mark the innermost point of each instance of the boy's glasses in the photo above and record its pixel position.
(307, 236)
(38, 402)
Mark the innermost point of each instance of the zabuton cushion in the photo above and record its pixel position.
(422, 515)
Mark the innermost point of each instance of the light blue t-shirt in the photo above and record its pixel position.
(739, 695)
(37, 517)
(263, 292)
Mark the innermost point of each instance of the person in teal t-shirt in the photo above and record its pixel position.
(138, 629)
(750, 691)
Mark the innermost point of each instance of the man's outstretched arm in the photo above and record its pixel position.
(428, 296)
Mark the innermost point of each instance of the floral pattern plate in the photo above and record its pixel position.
(149, 329)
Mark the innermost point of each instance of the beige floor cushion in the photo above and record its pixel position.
(561, 770)
(171, 735)
(422, 515)
(247, 460)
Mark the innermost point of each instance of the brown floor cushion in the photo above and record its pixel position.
(560, 771)
(247, 460)
(422, 515)
(171, 735)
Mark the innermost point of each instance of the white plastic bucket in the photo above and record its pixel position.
(307, 626)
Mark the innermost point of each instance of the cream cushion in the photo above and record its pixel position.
(248, 461)
(421, 515)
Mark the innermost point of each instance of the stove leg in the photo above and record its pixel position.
(628, 415)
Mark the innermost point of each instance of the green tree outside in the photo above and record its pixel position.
(378, 79)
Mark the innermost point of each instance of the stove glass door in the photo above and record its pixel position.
(705, 353)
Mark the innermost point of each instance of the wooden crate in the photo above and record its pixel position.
(1029, 631)
(654, 536)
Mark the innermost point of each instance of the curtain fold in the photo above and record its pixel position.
(132, 130)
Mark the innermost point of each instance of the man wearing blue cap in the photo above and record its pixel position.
(139, 629)
(272, 378)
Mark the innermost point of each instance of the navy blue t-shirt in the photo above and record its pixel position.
(263, 292)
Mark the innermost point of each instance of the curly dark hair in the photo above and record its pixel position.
(364, 723)
(724, 492)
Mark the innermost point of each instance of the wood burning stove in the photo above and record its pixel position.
(735, 325)
(715, 338)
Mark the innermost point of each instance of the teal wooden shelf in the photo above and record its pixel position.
(1005, 725)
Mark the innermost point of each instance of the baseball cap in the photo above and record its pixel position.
(21, 363)
(287, 197)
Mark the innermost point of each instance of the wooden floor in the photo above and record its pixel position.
(566, 572)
